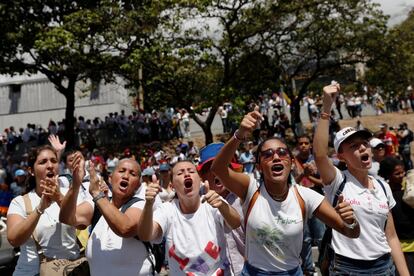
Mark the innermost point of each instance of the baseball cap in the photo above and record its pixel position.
(348, 132)
(383, 125)
(19, 172)
(209, 153)
(164, 167)
(148, 171)
(375, 142)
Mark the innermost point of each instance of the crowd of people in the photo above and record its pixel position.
(254, 205)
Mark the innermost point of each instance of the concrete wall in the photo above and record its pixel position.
(35, 100)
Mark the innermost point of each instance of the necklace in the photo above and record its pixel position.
(280, 197)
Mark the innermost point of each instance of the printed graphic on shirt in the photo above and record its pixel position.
(204, 263)
(270, 238)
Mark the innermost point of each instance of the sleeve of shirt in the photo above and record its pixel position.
(331, 188)
(311, 198)
(17, 207)
(162, 214)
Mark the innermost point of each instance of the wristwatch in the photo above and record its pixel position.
(98, 197)
(352, 225)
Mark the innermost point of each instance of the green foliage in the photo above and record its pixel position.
(392, 66)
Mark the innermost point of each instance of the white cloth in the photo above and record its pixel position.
(235, 238)
(110, 254)
(57, 240)
(274, 231)
(194, 242)
(371, 210)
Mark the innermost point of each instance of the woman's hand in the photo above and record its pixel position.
(153, 188)
(330, 92)
(212, 197)
(249, 123)
(50, 193)
(345, 210)
(78, 172)
(56, 144)
(95, 181)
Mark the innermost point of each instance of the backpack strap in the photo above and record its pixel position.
(339, 192)
(383, 188)
(388, 202)
(29, 210)
(301, 203)
(251, 203)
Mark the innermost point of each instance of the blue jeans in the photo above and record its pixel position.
(312, 234)
(382, 266)
(249, 270)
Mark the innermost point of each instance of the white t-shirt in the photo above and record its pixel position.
(194, 242)
(371, 210)
(110, 254)
(57, 240)
(274, 231)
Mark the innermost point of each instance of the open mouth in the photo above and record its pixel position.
(277, 168)
(365, 158)
(123, 185)
(188, 183)
(50, 175)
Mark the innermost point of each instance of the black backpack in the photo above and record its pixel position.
(157, 250)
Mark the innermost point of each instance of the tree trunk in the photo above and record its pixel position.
(208, 135)
(295, 119)
(206, 125)
(69, 114)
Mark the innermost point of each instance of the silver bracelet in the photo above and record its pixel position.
(98, 197)
(38, 211)
(352, 225)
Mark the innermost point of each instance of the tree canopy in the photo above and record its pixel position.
(392, 65)
(195, 54)
(210, 51)
(69, 41)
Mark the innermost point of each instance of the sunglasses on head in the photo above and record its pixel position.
(282, 153)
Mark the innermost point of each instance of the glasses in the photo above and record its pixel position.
(303, 143)
(282, 153)
(380, 147)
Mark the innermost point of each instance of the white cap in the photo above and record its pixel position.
(346, 133)
(374, 142)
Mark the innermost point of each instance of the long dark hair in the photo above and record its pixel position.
(34, 153)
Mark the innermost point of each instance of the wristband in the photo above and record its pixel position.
(235, 135)
(98, 197)
(38, 211)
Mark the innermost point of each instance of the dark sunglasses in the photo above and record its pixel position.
(379, 147)
(283, 153)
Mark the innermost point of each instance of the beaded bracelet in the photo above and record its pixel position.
(235, 135)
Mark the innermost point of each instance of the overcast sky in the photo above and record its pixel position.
(397, 9)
